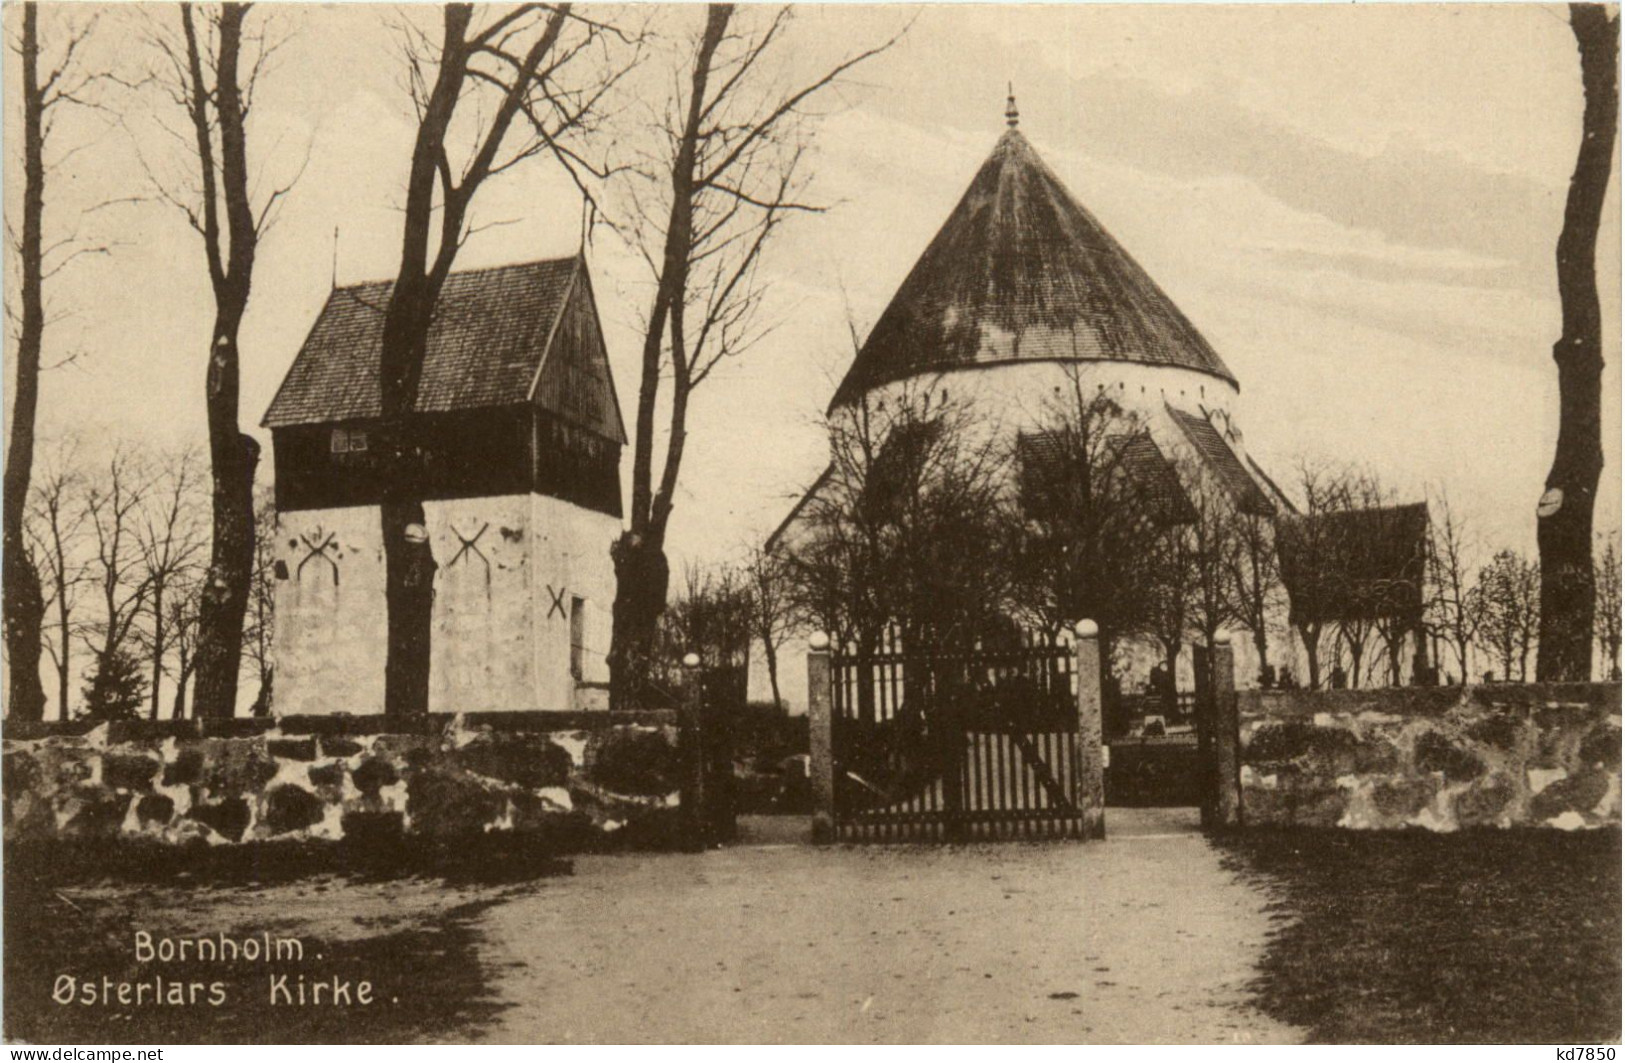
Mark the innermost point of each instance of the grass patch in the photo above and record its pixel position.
(1413, 937)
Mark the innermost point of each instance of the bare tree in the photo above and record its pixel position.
(1565, 514)
(182, 625)
(1451, 610)
(210, 74)
(1255, 579)
(1608, 603)
(728, 174)
(114, 500)
(172, 541)
(51, 80)
(710, 617)
(542, 67)
(1508, 599)
(1094, 491)
(1310, 547)
(259, 636)
(772, 610)
(56, 522)
(907, 532)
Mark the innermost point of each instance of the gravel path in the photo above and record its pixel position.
(1144, 937)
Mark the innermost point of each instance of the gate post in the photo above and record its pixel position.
(691, 741)
(1226, 746)
(1092, 783)
(820, 738)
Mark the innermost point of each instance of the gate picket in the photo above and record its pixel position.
(956, 746)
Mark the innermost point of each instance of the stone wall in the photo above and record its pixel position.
(582, 778)
(1441, 758)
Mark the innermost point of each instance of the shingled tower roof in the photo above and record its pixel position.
(1021, 272)
(496, 340)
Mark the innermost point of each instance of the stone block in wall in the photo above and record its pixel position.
(445, 803)
(156, 810)
(236, 766)
(1397, 800)
(1600, 747)
(633, 760)
(528, 760)
(290, 808)
(186, 768)
(228, 817)
(373, 774)
(1505, 732)
(1580, 794)
(1326, 752)
(407, 749)
(130, 771)
(92, 812)
(292, 748)
(1438, 751)
(338, 746)
(1491, 801)
(1378, 753)
(328, 779)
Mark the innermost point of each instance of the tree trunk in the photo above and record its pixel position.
(409, 568)
(23, 603)
(642, 573)
(233, 456)
(262, 700)
(772, 655)
(1310, 637)
(177, 709)
(224, 599)
(157, 644)
(1564, 524)
(1170, 693)
(63, 668)
(642, 577)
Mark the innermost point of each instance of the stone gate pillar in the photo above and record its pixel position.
(1092, 783)
(821, 738)
(1226, 722)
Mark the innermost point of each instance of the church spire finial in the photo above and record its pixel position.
(1012, 117)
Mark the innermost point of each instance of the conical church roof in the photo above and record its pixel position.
(1021, 272)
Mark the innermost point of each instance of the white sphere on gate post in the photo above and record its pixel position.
(691, 660)
(1087, 629)
(818, 641)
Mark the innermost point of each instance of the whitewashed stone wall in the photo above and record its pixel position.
(508, 569)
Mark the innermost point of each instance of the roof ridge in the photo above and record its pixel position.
(471, 272)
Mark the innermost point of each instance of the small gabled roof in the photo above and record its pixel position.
(1020, 271)
(492, 332)
(1356, 563)
(1216, 454)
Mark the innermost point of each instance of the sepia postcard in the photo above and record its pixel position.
(681, 523)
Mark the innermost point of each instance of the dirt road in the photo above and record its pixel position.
(1142, 938)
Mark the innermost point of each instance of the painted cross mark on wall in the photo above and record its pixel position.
(558, 602)
(316, 549)
(470, 545)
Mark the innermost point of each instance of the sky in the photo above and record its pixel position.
(1357, 206)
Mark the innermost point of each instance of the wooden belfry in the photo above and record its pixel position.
(517, 437)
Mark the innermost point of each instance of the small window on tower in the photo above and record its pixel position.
(341, 441)
(358, 440)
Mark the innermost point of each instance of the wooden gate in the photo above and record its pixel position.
(952, 747)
